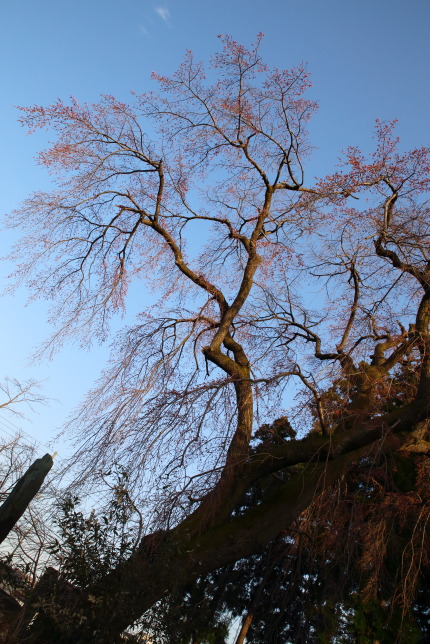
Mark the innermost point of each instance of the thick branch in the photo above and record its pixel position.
(146, 577)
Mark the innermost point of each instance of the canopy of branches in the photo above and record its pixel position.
(289, 340)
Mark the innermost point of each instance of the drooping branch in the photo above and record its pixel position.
(234, 321)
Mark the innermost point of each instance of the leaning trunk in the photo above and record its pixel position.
(101, 613)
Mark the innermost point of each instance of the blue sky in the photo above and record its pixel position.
(368, 60)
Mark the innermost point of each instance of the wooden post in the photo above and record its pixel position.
(23, 493)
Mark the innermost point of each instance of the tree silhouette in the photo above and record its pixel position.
(199, 191)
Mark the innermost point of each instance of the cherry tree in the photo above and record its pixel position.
(270, 290)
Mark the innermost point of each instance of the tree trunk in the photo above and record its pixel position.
(22, 494)
(246, 623)
(100, 614)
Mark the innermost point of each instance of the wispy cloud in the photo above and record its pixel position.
(149, 21)
(163, 12)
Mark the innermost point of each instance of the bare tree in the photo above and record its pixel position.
(15, 393)
(213, 212)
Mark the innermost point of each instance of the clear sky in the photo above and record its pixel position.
(368, 59)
